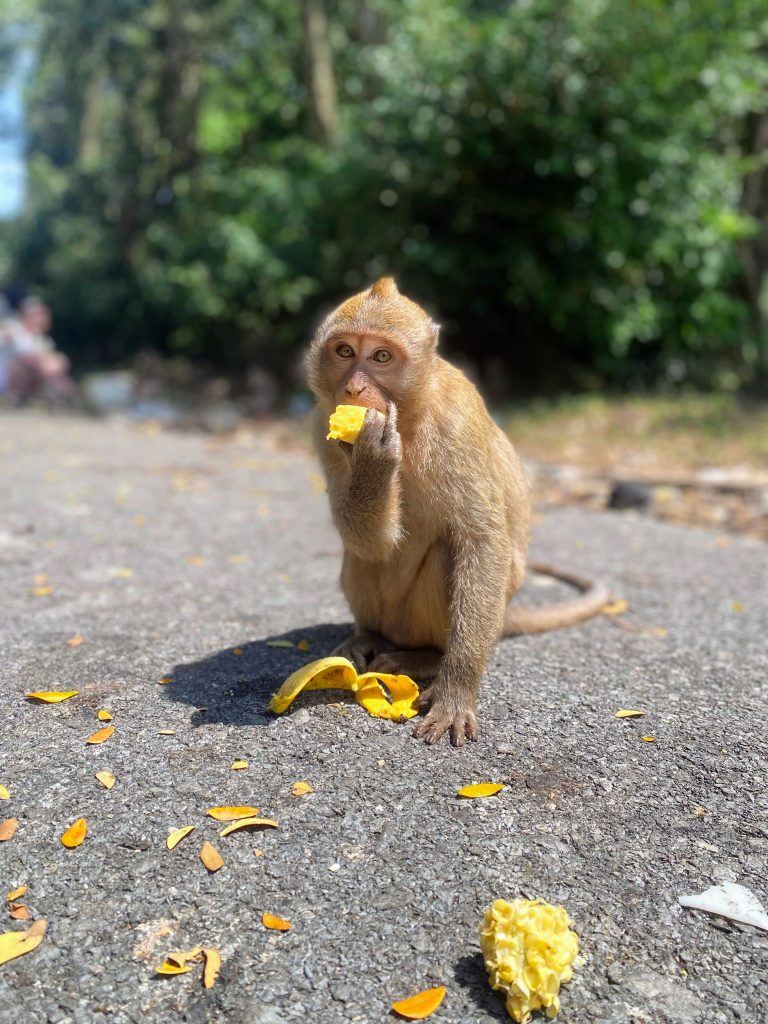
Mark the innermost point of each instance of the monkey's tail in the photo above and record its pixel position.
(565, 613)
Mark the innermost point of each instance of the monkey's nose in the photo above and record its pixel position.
(356, 387)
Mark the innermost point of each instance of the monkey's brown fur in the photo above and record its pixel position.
(432, 507)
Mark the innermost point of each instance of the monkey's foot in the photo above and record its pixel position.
(446, 713)
(362, 649)
(421, 665)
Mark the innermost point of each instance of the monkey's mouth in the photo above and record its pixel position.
(378, 400)
(379, 405)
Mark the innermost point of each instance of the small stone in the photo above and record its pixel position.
(628, 494)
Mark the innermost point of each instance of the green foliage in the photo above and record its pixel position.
(558, 180)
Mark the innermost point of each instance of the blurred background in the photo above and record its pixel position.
(576, 189)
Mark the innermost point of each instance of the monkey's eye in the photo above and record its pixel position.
(345, 351)
(382, 355)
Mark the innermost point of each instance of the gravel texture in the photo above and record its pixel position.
(165, 552)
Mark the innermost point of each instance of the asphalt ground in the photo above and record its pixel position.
(167, 552)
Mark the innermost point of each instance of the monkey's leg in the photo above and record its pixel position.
(363, 648)
(421, 665)
(476, 601)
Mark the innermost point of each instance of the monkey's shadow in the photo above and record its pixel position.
(234, 685)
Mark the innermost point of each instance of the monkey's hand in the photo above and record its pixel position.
(448, 709)
(378, 450)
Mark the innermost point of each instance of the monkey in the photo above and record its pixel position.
(432, 507)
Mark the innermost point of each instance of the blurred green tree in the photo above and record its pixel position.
(576, 188)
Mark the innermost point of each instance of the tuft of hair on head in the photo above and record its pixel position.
(384, 288)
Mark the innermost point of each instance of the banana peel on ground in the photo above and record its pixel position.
(381, 694)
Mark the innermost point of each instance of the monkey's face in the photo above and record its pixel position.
(377, 347)
(362, 369)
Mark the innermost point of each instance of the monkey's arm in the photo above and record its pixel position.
(364, 488)
(478, 568)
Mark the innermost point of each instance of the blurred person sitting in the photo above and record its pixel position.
(32, 366)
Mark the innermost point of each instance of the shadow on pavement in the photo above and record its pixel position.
(471, 974)
(235, 685)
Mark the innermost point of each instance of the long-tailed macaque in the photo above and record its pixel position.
(432, 507)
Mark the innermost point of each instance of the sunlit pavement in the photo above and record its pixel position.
(167, 553)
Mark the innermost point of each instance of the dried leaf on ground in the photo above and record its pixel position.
(42, 591)
(75, 834)
(737, 606)
(212, 966)
(301, 788)
(101, 735)
(238, 765)
(7, 828)
(16, 894)
(628, 713)
(248, 823)
(615, 607)
(170, 968)
(104, 716)
(18, 912)
(165, 680)
(630, 627)
(183, 957)
(51, 696)
(211, 857)
(422, 1005)
(302, 645)
(480, 789)
(649, 739)
(13, 944)
(237, 650)
(231, 813)
(107, 779)
(75, 641)
(275, 924)
(4, 793)
(178, 834)
(166, 732)
(280, 643)
(257, 852)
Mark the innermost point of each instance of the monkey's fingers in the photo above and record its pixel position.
(462, 726)
(373, 424)
(433, 727)
(369, 443)
(390, 424)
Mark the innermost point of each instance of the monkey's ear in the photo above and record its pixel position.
(384, 288)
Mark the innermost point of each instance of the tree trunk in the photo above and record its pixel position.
(754, 202)
(318, 64)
